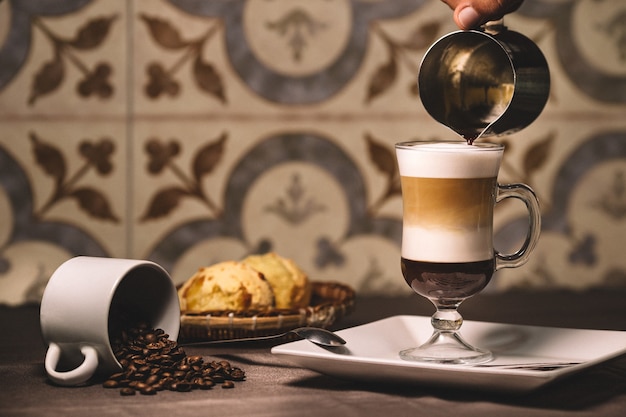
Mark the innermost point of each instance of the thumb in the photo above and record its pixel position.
(467, 17)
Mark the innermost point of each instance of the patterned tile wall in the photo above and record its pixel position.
(189, 132)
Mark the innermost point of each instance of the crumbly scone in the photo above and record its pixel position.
(289, 283)
(226, 285)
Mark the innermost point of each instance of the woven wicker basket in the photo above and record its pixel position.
(329, 302)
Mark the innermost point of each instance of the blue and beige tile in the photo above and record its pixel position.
(190, 132)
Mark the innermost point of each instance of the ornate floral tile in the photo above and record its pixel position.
(190, 132)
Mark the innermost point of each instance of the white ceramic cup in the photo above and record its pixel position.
(83, 304)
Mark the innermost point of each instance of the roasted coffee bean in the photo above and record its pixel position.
(144, 369)
(238, 375)
(148, 391)
(207, 383)
(111, 383)
(152, 379)
(195, 359)
(167, 362)
(180, 374)
(151, 362)
(183, 387)
(117, 376)
(138, 386)
(154, 346)
(138, 376)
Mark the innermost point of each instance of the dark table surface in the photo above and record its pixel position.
(276, 388)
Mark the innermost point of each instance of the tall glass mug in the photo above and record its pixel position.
(449, 190)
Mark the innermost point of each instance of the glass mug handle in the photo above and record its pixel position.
(527, 195)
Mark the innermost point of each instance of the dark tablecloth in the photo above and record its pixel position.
(275, 388)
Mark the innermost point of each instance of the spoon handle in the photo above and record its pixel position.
(239, 340)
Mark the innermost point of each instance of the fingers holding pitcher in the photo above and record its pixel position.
(469, 14)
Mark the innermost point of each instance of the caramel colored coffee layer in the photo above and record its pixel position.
(448, 203)
(448, 220)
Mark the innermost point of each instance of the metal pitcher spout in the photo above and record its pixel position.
(482, 83)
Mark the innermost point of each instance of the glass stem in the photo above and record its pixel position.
(446, 318)
(446, 345)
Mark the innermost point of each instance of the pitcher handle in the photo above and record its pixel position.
(527, 195)
(76, 376)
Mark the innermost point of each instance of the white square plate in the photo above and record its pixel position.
(371, 354)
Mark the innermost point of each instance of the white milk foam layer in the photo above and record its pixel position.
(448, 160)
(443, 245)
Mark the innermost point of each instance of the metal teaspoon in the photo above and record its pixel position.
(315, 335)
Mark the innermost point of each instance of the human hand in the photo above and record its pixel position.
(469, 14)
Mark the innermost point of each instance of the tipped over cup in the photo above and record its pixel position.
(88, 300)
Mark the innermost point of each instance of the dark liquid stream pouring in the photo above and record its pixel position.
(483, 83)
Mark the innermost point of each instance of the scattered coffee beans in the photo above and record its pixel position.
(151, 362)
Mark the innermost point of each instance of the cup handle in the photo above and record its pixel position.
(76, 376)
(527, 195)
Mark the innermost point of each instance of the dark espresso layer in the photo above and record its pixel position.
(447, 281)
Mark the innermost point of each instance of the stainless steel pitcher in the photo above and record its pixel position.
(487, 82)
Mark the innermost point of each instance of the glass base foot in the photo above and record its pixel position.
(447, 347)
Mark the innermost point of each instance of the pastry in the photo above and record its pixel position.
(226, 285)
(289, 283)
